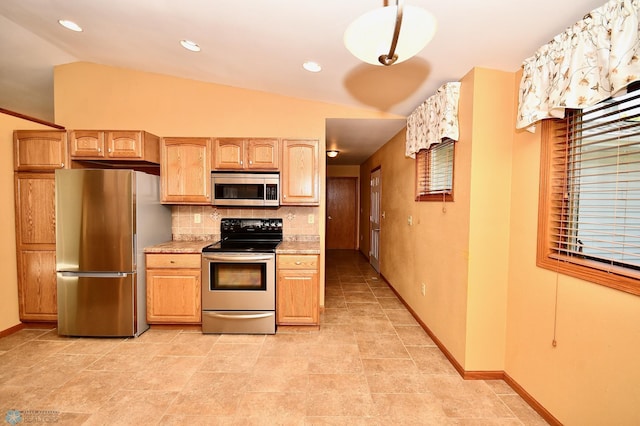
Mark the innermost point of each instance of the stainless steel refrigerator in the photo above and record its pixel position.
(104, 220)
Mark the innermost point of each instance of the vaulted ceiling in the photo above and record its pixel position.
(261, 45)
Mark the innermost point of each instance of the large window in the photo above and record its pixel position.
(589, 218)
(434, 172)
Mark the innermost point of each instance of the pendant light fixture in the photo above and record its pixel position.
(391, 34)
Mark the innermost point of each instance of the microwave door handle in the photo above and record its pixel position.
(236, 258)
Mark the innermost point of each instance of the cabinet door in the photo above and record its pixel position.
(37, 285)
(297, 297)
(173, 296)
(262, 154)
(39, 149)
(185, 170)
(124, 144)
(87, 143)
(35, 209)
(299, 177)
(228, 154)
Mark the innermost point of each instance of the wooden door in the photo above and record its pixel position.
(342, 214)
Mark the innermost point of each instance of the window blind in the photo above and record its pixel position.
(434, 169)
(595, 184)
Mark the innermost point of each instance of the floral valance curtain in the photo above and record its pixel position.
(435, 119)
(591, 61)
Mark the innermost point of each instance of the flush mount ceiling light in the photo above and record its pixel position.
(190, 45)
(391, 34)
(312, 66)
(70, 25)
(332, 153)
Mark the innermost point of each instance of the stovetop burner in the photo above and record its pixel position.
(251, 235)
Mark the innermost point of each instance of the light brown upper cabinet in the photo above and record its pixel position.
(39, 150)
(185, 170)
(299, 177)
(245, 154)
(114, 145)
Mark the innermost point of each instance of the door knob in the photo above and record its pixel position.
(329, 217)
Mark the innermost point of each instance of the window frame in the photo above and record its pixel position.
(424, 155)
(615, 277)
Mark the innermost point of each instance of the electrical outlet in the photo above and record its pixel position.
(423, 288)
(311, 218)
(410, 220)
(197, 218)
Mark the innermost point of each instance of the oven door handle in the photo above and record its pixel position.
(237, 258)
(239, 316)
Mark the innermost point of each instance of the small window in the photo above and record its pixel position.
(434, 172)
(589, 216)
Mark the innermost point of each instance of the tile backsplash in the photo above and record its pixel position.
(185, 226)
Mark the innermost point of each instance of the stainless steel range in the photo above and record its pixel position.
(239, 277)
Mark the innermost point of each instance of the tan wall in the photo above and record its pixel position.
(343, 171)
(9, 282)
(433, 250)
(486, 300)
(492, 126)
(592, 376)
(450, 247)
(91, 96)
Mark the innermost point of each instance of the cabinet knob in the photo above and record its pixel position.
(172, 261)
(250, 162)
(298, 262)
(99, 149)
(241, 162)
(62, 165)
(109, 150)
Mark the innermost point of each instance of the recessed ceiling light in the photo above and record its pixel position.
(70, 25)
(190, 45)
(312, 66)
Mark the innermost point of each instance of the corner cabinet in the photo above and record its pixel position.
(297, 299)
(245, 154)
(173, 288)
(185, 170)
(36, 156)
(299, 177)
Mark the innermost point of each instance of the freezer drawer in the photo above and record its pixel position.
(102, 305)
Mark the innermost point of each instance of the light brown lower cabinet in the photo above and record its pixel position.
(173, 288)
(37, 289)
(297, 300)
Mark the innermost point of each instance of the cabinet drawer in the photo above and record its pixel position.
(173, 261)
(296, 261)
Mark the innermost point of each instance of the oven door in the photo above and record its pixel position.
(238, 281)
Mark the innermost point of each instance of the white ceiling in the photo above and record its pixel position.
(261, 45)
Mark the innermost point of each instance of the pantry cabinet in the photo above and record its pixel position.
(299, 178)
(135, 145)
(245, 154)
(173, 288)
(36, 245)
(297, 290)
(185, 170)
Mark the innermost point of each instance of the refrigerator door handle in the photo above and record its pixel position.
(94, 274)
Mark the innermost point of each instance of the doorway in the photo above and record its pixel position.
(374, 218)
(342, 216)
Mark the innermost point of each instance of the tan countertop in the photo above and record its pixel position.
(286, 247)
(178, 247)
(299, 247)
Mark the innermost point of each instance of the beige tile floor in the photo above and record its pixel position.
(370, 363)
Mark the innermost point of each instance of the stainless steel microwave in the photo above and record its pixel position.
(245, 189)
